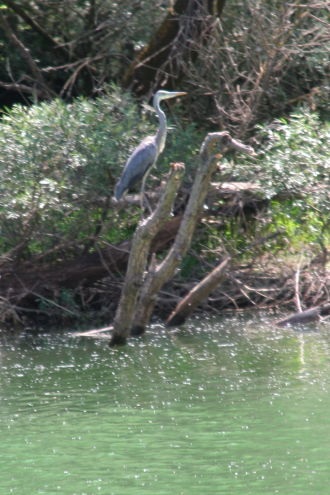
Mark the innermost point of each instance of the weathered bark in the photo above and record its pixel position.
(160, 62)
(138, 260)
(197, 295)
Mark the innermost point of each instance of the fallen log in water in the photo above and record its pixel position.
(197, 295)
(308, 316)
(96, 333)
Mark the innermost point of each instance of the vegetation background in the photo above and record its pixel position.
(74, 79)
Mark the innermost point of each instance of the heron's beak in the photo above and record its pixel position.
(174, 94)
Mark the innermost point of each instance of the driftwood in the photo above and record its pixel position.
(95, 333)
(197, 295)
(139, 293)
(307, 316)
(310, 315)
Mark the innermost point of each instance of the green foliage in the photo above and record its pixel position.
(296, 156)
(58, 166)
(301, 223)
(59, 163)
(293, 170)
(189, 266)
(182, 145)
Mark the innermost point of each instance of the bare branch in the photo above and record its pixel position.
(26, 55)
(21, 12)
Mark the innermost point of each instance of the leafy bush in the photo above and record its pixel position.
(293, 170)
(296, 156)
(58, 166)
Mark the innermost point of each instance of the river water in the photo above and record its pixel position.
(226, 406)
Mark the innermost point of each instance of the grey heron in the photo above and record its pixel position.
(145, 155)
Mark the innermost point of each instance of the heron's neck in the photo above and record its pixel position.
(162, 129)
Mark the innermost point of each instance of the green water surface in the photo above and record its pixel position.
(220, 407)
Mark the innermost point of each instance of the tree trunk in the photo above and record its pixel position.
(161, 274)
(160, 62)
(138, 260)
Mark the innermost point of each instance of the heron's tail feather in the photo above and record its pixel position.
(119, 190)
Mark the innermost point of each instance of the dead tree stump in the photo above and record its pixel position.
(142, 283)
(138, 259)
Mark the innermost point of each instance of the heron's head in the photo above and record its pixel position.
(166, 95)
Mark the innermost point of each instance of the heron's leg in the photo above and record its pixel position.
(142, 193)
(146, 203)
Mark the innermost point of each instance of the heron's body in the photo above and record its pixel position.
(143, 158)
(145, 155)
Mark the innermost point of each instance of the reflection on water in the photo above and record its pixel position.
(220, 407)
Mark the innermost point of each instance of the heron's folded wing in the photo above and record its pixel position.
(139, 162)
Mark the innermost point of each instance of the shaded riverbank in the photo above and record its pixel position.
(38, 301)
